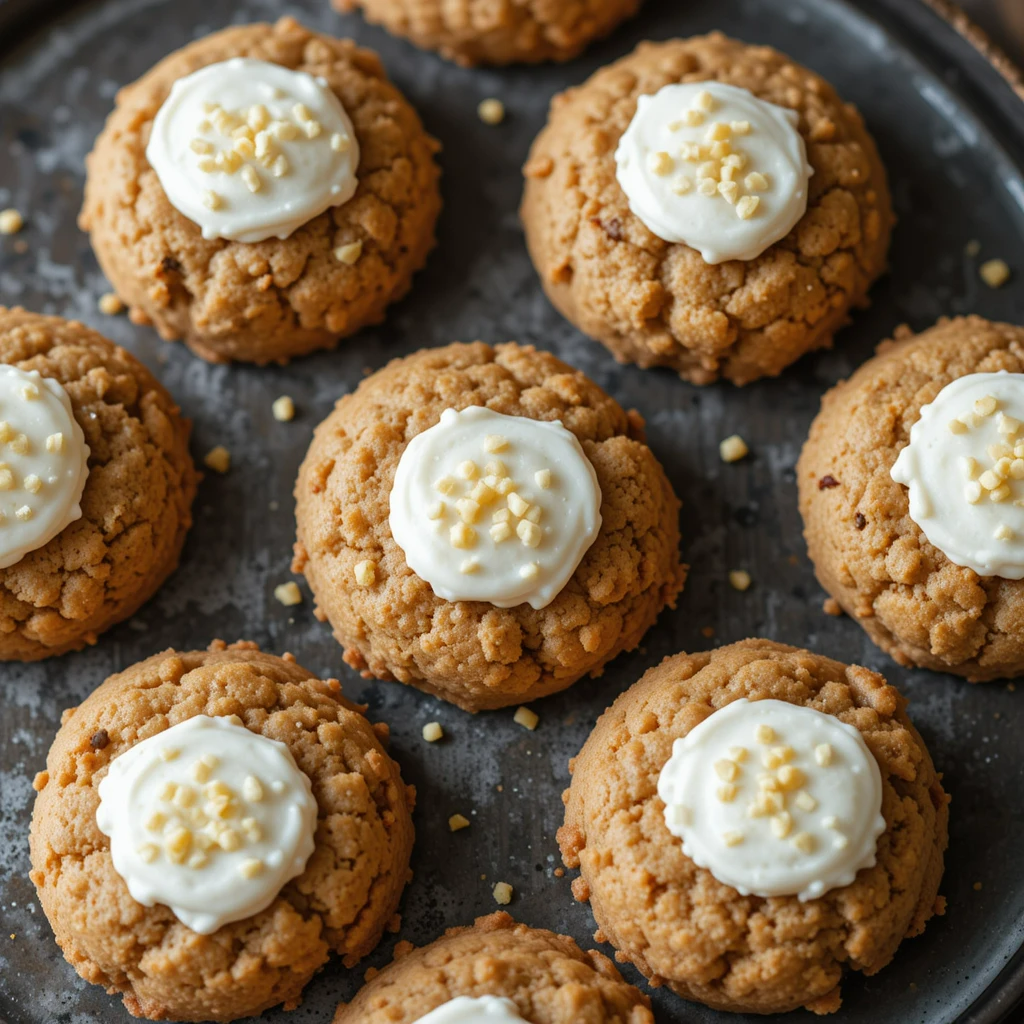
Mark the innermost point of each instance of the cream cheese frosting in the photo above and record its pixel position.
(496, 508)
(711, 166)
(44, 462)
(964, 467)
(208, 818)
(251, 150)
(473, 1010)
(774, 799)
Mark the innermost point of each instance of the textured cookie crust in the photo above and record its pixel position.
(265, 301)
(136, 507)
(680, 926)
(916, 604)
(342, 901)
(658, 304)
(549, 978)
(469, 652)
(497, 31)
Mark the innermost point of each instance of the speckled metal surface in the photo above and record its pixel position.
(954, 145)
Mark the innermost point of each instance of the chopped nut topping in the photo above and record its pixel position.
(288, 593)
(765, 734)
(995, 273)
(804, 842)
(55, 442)
(823, 754)
(739, 580)
(494, 443)
(805, 801)
(543, 478)
(726, 770)
(366, 572)
(457, 822)
(468, 566)
(462, 536)
(502, 892)
(660, 163)
(218, 459)
(526, 718)
(432, 732)
(530, 571)
(733, 448)
(251, 867)
(727, 792)
(350, 253)
(283, 409)
(491, 111)
(11, 222)
(110, 304)
(732, 838)
(738, 754)
(782, 824)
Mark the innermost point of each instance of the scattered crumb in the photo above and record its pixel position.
(526, 718)
(977, 886)
(708, 632)
(739, 579)
(559, 872)
(284, 409)
(110, 304)
(432, 732)
(733, 448)
(366, 572)
(491, 111)
(371, 973)
(995, 273)
(20, 246)
(832, 607)
(1011, 687)
(972, 248)
(288, 593)
(502, 893)
(501, 789)
(218, 459)
(458, 821)
(11, 222)
(349, 253)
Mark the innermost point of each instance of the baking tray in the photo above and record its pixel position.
(951, 130)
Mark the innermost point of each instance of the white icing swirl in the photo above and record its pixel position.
(713, 167)
(209, 819)
(44, 462)
(774, 799)
(473, 1010)
(488, 507)
(250, 150)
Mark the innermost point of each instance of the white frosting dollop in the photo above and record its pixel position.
(207, 818)
(44, 462)
(250, 150)
(473, 1010)
(713, 167)
(774, 799)
(488, 507)
(964, 467)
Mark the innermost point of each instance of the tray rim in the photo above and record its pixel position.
(997, 1004)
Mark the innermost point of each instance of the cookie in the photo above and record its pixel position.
(473, 32)
(933, 572)
(670, 215)
(798, 779)
(96, 486)
(262, 193)
(242, 791)
(459, 540)
(503, 970)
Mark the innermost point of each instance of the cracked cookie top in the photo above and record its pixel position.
(270, 300)
(658, 303)
(341, 902)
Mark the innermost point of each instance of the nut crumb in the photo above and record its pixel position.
(832, 607)
(972, 248)
(432, 732)
(733, 448)
(288, 593)
(350, 253)
(110, 304)
(218, 459)
(457, 822)
(739, 579)
(11, 222)
(283, 409)
(526, 718)
(366, 572)
(995, 273)
(491, 111)
(502, 893)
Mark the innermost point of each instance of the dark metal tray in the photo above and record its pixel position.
(951, 131)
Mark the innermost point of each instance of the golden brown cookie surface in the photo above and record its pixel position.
(675, 921)
(548, 977)
(265, 301)
(472, 653)
(341, 903)
(136, 506)
(868, 553)
(497, 31)
(659, 304)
